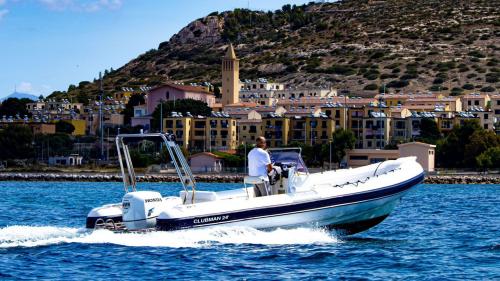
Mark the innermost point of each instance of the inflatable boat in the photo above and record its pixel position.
(347, 200)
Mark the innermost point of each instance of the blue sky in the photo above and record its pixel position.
(46, 45)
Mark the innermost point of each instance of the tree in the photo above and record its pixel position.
(55, 144)
(342, 140)
(489, 158)
(216, 89)
(16, 142)
(13, 106)
(463, 144)
(195, 107)
(64, 127)
(429, 131)
(128, 112)
(479, 142)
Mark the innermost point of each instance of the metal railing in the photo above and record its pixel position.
(178, 161)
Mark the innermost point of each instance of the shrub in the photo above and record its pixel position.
(408, 76)
(341, 70)
(435, 88)
(476, 54)
(371, 87)
(388, 75)
(492, 77)
(438, 80)
(468, 86)
(456, 91)
(488, 89)
(397, 84)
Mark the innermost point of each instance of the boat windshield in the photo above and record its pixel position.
(288, 156)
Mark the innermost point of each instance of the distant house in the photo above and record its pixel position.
(168, 92)
(71, 160)
(205, 162)
(424, 152)
(36, 128)
(177, 92)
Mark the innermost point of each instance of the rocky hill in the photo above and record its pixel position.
(358, 46)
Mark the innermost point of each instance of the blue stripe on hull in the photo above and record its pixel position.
(214, 219)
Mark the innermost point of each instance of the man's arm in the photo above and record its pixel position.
(269, 167)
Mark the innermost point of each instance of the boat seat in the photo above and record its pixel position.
(199, 196)
(234, 193)
(208, 196)
(255, 180)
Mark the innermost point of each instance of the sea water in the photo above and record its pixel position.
(437, 232)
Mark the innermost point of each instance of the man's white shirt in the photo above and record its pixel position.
(258, 159)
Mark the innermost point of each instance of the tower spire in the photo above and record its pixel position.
(230, 54)
(230, 77)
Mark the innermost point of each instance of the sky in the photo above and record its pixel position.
(46, 45)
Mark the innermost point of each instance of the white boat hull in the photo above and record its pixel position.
(350, 214)
(348, 200)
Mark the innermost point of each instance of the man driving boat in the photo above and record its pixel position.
(259, 165)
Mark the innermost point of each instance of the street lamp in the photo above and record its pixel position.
(330, 164)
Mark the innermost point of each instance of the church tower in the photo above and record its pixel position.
(230, 77)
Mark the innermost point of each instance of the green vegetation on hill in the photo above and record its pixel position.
(360, 45)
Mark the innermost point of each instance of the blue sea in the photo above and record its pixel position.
(438, 232)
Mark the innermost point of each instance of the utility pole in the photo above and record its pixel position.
(101, 117)
(107, 147)
(330, 163)
(381, 126)
(161, 115)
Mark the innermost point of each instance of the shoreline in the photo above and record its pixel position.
(221, 178)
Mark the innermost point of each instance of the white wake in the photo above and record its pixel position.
(33, 236)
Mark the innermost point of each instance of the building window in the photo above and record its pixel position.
(358, 157)
(169, 124)
(376, 160)
(486, 116)
(485, 126)
(476, 102)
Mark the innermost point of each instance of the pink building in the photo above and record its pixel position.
(177, 92)
(205, 162)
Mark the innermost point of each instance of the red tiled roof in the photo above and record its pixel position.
(241, 104)
(205, 153)
(185, 88)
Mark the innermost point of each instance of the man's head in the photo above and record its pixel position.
(261, 142)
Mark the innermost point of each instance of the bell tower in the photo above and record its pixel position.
(230, 77)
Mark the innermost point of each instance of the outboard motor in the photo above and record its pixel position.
(140, 209)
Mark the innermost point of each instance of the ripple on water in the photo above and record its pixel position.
(438, 232)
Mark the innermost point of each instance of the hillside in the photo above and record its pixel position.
(354, 45)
